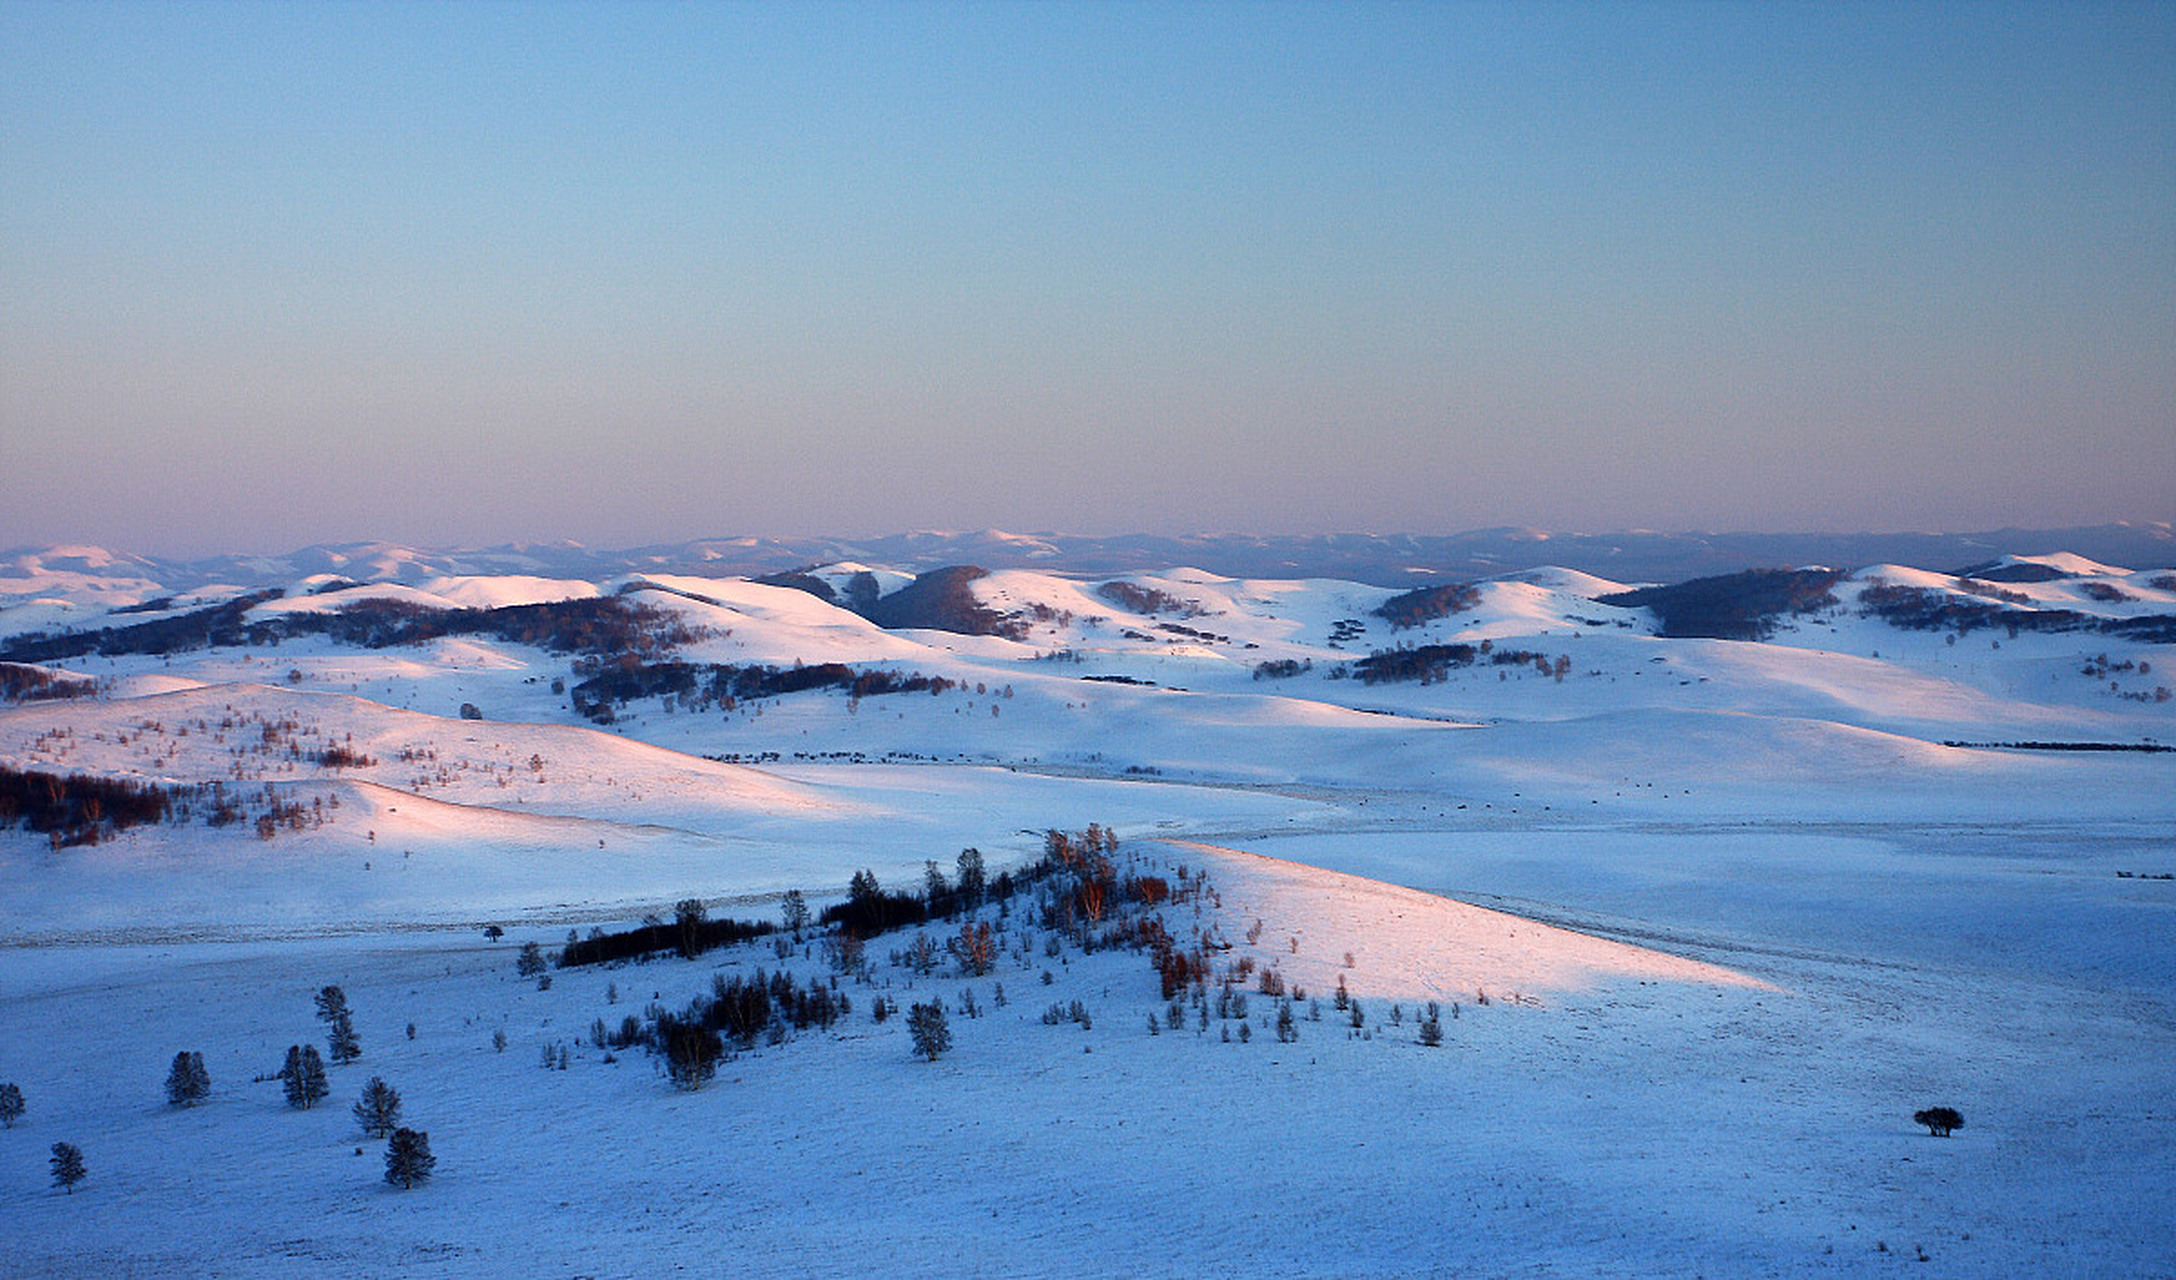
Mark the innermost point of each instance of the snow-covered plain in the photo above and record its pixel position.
(1738, 910)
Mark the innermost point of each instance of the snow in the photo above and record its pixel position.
(1569, 582)
(472, 592)
(1415, 946)
(1737, 909)
(2067, 562)
(749, 622)
(840, 575)
(333, 601)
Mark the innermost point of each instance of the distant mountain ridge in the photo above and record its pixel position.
(1394, 560)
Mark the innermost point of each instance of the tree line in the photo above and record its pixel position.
(84, 809)
(703, 685)
(689, 934)
(597, 625)
(1926, 609)
(1426, 604)
(80, 808)
(1430, 663)
(1733, 606)
(19, 683)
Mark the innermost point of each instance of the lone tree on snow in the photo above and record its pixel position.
(530, 962)
(1940, 1121)
(408, 1158)
(332, 1008)
(68, 1167)
(188, 1081)
(794, 909)
(378, 1111)
(931, 1035)
(304, 1076)
(11, 1104)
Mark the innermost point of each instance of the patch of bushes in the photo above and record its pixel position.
(680, 937)
(693, 1041)
(338, 756)
(808, 582)
(20, 683)
(943, 600)
(2148, 748)
(2020, 572)
(1426, 604)
(1135, 598)
(80, 808)
(603, 625)
(1191, 633)
(1980, 587)
(1925, 609)
(221, 624)
(691, 1051)
(870, 910)
(2152, 628)
(1733, 606)
(743, 1009)
(702, 686)
(862, 589)
(1430, 663)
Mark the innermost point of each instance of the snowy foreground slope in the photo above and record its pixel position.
(1739, 907)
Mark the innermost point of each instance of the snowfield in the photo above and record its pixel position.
(1704, 922)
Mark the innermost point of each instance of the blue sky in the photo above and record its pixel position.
(626, 273)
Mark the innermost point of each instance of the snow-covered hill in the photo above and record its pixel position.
(1740, 906)
(1397, 560)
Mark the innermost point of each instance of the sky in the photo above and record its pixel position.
(463, 274)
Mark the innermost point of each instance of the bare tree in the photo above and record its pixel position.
(976, 948)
